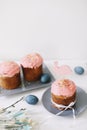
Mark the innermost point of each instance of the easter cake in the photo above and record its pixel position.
(32, 67)
(63, 93)
(9, 75)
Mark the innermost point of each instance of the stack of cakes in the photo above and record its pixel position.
(10, 76)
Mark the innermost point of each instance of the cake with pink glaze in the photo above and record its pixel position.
(63, 93)
(32, 66)
(9, 75)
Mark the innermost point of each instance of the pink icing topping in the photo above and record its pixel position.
(63, 87)
(9, 68)
(31, 61)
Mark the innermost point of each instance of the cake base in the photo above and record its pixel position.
(32, 74)
(62, 100)
(10, 82)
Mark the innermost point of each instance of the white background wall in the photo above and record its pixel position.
(54, 28)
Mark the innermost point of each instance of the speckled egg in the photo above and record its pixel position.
(79, 70)
(45, 78)
(31, 99)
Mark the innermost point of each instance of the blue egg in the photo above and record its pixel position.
(45, 78)
(79, 70)
(31, 99)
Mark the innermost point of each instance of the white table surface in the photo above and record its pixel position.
(45, 119)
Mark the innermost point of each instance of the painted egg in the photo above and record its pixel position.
(79, 70)
(31, 99)
(45, 78)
